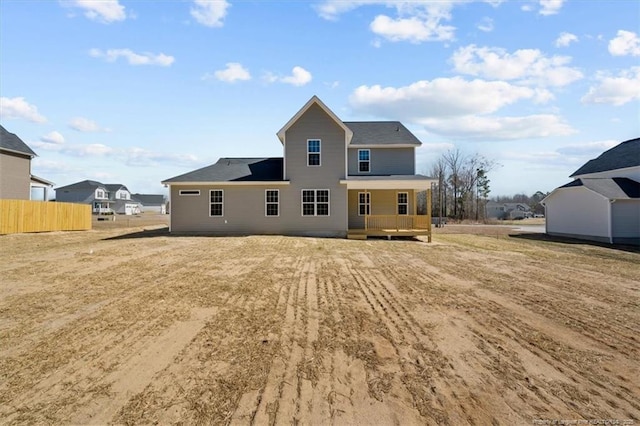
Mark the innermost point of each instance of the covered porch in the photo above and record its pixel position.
(387, 206)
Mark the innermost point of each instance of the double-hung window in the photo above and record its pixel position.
(272, 202)
(403, 203)
(313, 152)
(315, 202)
(364, 160)
(216, 202)
(364, 203)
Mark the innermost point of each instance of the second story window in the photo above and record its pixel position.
(313, 152)
(100, 193)
(364, 160)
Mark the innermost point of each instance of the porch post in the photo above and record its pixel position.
(367, 212)
(397, 225)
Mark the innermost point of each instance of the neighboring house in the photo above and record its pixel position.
(603, 201)
(87, 192)
(152, 203)
(508, 211)
(122, 202)
(16, 180)
(335, 179)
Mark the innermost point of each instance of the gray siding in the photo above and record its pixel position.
(316, 124)
(383, 202)
(625, 219)
(15, 176)
(385, 161)
(244, 212)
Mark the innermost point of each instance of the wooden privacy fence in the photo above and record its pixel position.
(41, 216)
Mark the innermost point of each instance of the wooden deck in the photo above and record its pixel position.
(393, 226)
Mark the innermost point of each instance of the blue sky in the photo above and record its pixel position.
(135, 92)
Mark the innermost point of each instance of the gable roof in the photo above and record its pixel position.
(83, 186)
(611, 188)
(11, 142)
(314, 101)
(236, 170)
(381, 133)
(149, 199)
(621, 156)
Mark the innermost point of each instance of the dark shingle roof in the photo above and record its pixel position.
(114, 187)
(149, 199)
(236, 170)
(612, 188)
(84, 185)
(11, 142)
(381, 133)
(623, 155)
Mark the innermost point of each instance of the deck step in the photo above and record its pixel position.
(358, 236)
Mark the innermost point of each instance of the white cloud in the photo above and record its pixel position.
(550, 7)
(486, 25)
(441, 97)
(416, 21)
(53, 137)
(625, 43)
(82, 124)
(525, 65)
(210, 13)
(475, 127)
(15, 108)
(588, 148)
(133, 58)
(233, 72)
(413, 29)
(105, 11)
(565, 39)
(458, 108)
(299, 77)
(615, 90)
(80, 150)
(143, 157)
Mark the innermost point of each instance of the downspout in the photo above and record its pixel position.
(610, 227)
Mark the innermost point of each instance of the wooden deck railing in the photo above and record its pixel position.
(397, 222)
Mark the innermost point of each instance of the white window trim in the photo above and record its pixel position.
(266, 203)
(210, 202)
(189, 192)
(315, 203)
(319, 153)
(398, 204)
(369, 203)
(363, 161)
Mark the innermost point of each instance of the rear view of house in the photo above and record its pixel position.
(602, 203)
(335, 179)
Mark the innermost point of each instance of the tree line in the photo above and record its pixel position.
(462, 188)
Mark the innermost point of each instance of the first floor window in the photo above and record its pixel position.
(315, 202)
(364, 203)
(216, 198)
(364, 160)
(403, 203)
(272, 202)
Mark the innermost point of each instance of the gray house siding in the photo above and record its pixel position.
(316, 124)
(385, 161)
(244, 212)
(15, 176)
(625, 221)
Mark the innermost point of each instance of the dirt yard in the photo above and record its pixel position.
(130, 326)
